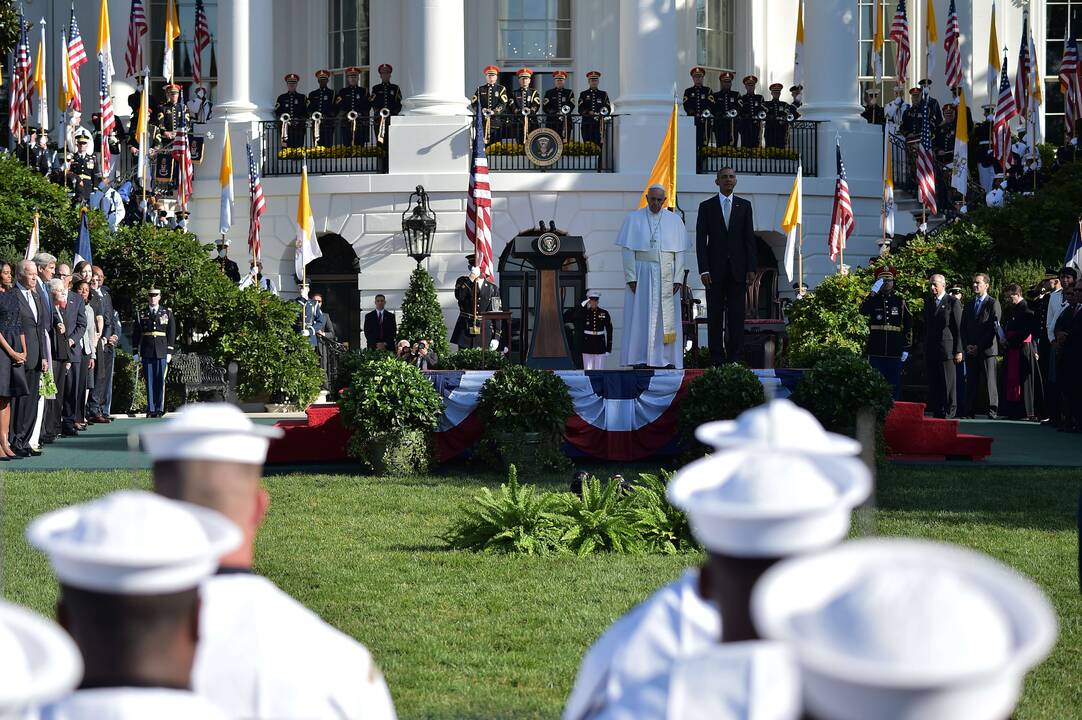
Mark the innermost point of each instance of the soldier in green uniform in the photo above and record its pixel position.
(353, 108)
(752, 113)
(593, 331)
(725, 111)
(593, 106)
(779, 114)
(83, 173)
(526, 102)
(890, 328)
(169, 116)
(293, 104)
(490, 101)
(699, 104)
(153, 337)
(556, 101)
(321, 100)
(473, 291)
(386, 102)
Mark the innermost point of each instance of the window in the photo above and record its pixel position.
(714, 20)
(348, 40)
(183, 47)
(535, 31)
(866, 70)
(1059, 16)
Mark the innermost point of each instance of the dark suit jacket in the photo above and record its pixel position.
(980, 329)
(942, 328)
(74, 325)
(375, 332)
(107, 314)
(727, 253)
(33, 329)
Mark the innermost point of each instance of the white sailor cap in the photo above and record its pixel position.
(40, 661)
(595, 294)
(133, 542)
(209, 431)
(780, 425)
(898, 628)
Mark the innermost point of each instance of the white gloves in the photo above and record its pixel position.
(168, 359)
(307, 332)
(475, 273)
(905, 355)
(493, 344)
(136, 358)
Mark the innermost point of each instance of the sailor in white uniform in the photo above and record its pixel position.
(681, 619)
(41, 663)
(263, 654)
(129, 566)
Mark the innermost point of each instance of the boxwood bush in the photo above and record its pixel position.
(720, 393)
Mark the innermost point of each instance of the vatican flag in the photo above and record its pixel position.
(40, 84)
(664, 172)
(932, 38)
(960, 168)
(225, 177)
(888, 197)
(993, 60)
(792, 219)
(105, 52)
(798, 55)
(172, 32)
(307, 246)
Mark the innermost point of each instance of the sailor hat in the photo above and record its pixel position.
(779, 424)
(209, 431)
(41, 663)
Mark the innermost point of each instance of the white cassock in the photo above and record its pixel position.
(673, 623)
(262, 654)
(655, 249)
(131, 703)
(757, 680)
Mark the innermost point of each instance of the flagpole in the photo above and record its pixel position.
(800, 259)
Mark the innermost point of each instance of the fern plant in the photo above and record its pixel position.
(516, 519)
(662, 527)
(600, 520)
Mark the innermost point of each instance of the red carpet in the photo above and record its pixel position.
(911, 436)
(319, 438)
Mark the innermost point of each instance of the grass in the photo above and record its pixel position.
(469, 636)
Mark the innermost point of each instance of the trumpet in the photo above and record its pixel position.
(384, 113)
(317, 119)
(565, 109)
(790, 117)
(730, 113)
(525, 112)
(284, 119)
(605, 110)
(706, 114)
(488, 112)
(352, 117)
(761, 115)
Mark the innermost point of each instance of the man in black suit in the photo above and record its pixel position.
(102, 301)
(58, 339)
(34, 316)
(981, 342)
(942, 347)
(725, 248)
(380, 328)
(74, 315)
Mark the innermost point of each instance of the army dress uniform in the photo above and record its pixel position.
(153, 337)
(890, 329)
(555, 100)
(321, 100)
(752, 112)
(170, 116)
(779, 115)
(593, 332)
(699, 100)
(594, 104)
(83, 173)
(385, 96)
(525, 103)
(295, 105)
(467, 330)
(489, 102)
(353, 99)
(726, 109)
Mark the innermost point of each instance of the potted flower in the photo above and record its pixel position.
(524, 411)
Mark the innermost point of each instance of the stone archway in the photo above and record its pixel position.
(336, 276)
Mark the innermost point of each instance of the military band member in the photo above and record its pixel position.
(321, 100)
(593, 331)
(556, 101)
(83, 173)
(797, 93)
(293, 104)
(699, 104)
(752, 113)
(526, 103)
(593, 105)
(911, 121)
(935, 112)
(873, 111)
(153, 337)
(386, 96)
(352, 108)
(779, 114)
(890, 328)
(725, 111)
(490, 101)
(980, 149)
(473, 291)
(169, 115)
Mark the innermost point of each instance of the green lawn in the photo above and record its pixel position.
(463, 635)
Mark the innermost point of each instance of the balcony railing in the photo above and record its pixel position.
(754, 147)
(586, 143)
(342, 146)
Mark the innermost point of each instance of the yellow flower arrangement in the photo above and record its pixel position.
(571, 149)
(335, 151)
(743, 152)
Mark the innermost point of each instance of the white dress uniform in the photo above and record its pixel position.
(264, 655)
(133, 703)
(40, 662)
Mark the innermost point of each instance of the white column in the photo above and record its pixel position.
(432, 38)
(648, 48)
(233, 50)
(263, 78)
(830, 58)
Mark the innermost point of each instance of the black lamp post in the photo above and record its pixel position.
(419, 225)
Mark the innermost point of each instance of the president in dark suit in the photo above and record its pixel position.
(981, 342)
(380, 327)
(34, 316)
(74, 314)
(725, 249)
(942, 347)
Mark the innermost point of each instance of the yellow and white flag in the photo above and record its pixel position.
(664, 170)
(141, 132)
(172, 32)
(105, 52)
(793, 218)
(225, 178)
(39, 84)
(32, 246)
(887, 218)
(993, 60)
(932, 37)
(307, 245)
(960, 167)
(878, 44)
(798, 55)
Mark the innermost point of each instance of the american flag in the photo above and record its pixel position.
(20, 84)
(108, 121)
(1070, 85)
(926, 163)
(952, 43)
(259, 206)
(182, 153)
(479, 205)
(137, 28)
(899, 33)
(842, 222)
(76, 59)
(202, 41)
(1025, 70)
(1006, 111)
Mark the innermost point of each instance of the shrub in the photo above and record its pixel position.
(348, 363)
(475, 359)
(662, 527)
(829, 315)
(1026, 273)
(129, 390)
(422, 317)
(518, 400)
(720, 393)
(600, 520)
(838, 386)
(24, 192)
(698, 358)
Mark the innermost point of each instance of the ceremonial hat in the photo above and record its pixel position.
(293, 77)
(559, 75)
(776, 86)
(925, 81)
(778, 424)
(322, 74)
(41, 662)
(915, 91)
(885, 272)
(596, 294)
(154, 291)
(697, 71)
(750, 79)
(471, 258)
(209, 431)
(133, 542)
(525, 72)
(872, 92)
(172, 87)
(901, 628)
(726, 75)
(796, 89)
(492, 70)
(385, 67)
(81, 139)
(954, 290)
(1051, 273)
(989, 107)
(353, 71)
(593, 74)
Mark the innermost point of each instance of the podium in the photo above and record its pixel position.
(548, 252)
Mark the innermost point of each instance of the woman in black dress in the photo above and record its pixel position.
(12, 377)
(7, 276)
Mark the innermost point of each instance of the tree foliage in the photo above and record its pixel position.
(720, 393)
(9, 29)
(24, 192)
(422, 317)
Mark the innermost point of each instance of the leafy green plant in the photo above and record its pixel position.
(422, 316)
(129, 390)
(829, 315)
(698, 358)
(349, 362)
(475, 359)
(9, 28)
(663, 528)
(720, 393)
(838, 386)
(516, 519)
(1026, 273)
(600, 520)
(518, 401)
(24, 192)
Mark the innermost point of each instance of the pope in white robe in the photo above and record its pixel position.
(654, 244)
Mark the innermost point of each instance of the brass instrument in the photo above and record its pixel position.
(352, 117)
(384, 113)
(284, 119)
(601, 123)
(525, 112)
(706, 114)
(317, 119)
(760, 117)
(565, 111)
(487, 113)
